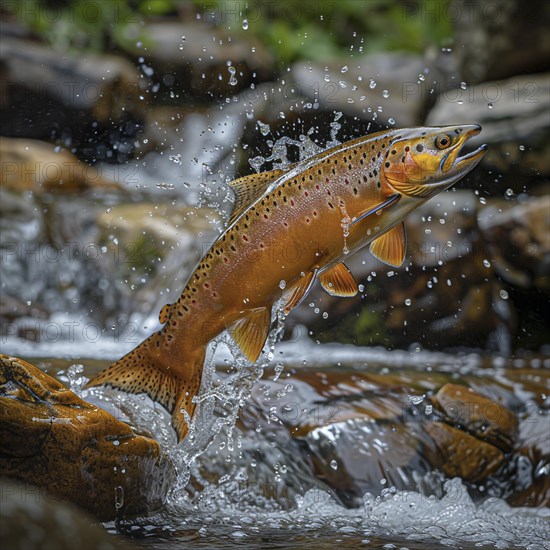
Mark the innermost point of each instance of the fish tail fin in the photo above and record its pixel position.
(143, 370)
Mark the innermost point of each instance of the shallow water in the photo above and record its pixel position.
(248, 488)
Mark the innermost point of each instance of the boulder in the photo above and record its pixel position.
(201, 60)
(513, 115)
(518, 240)
(388, 88)
(33, 518)
(32, 165)
(52, 439)
(499, 39)
(44, 89)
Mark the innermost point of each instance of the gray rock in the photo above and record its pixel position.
(376, 87)
(514, 116)
(74, 88)
(499, 39)
(202, 59)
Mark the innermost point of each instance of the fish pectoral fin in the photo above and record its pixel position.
(389, 201)
(390, 247)
(297, 292)
(164, 312)
(250, 332)
(249, 188)
(338, 281)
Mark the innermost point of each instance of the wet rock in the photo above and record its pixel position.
(33, 518)
(72, 91)
(532, 467)
(193, 58)
(481, 417)
(518, 238)
(366, 430)
(501, 39)
(459, 454)
(32, 165)
(389, 81)
(513, 116)
(53, 439)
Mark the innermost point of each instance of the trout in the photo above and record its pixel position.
(289, 228)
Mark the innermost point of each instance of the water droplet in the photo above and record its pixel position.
(344, 69)
(486, 263)
(503, 294)
(490, 105)
(282, 284)
(334, 464)
(408, 302)
(245, 24)
(522, 147)
(116, 442)
(463, 85)
(391, 121)
(372, 84)
(385, 94)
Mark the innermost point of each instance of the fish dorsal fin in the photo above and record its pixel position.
(249, 188)
(338, 281)
(296, 293)
(250, 332)
(164, 313)
(390, 247)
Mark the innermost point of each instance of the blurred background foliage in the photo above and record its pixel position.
(292, 30)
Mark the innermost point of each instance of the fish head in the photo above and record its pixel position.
(421, 162)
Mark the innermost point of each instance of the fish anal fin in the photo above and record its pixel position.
(390, 247)
(338, 281)
(248, 188)
(250, 332)
(164, 313)
(297, 292)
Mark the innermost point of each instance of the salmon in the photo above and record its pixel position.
(290, 228)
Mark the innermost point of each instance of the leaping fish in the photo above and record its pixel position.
(291, 227)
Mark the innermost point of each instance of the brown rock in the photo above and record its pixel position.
(51, 438)
(459, 454)
(518, 237)
(28, 164)
(482, 417)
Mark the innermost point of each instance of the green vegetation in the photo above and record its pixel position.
(291, 29)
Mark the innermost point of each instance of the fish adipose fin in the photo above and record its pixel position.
(390, 247)
(296, 293)
(137, 373)
(338, 281)
(250, 332)
(249, 188)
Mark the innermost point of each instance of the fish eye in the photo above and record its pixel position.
(442, 141)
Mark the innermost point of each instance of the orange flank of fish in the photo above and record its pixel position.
(289, 228)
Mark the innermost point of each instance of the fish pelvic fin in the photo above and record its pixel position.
(338, 281)
(138, 372)
(390, 247)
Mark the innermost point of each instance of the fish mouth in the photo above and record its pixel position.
(455, 166)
